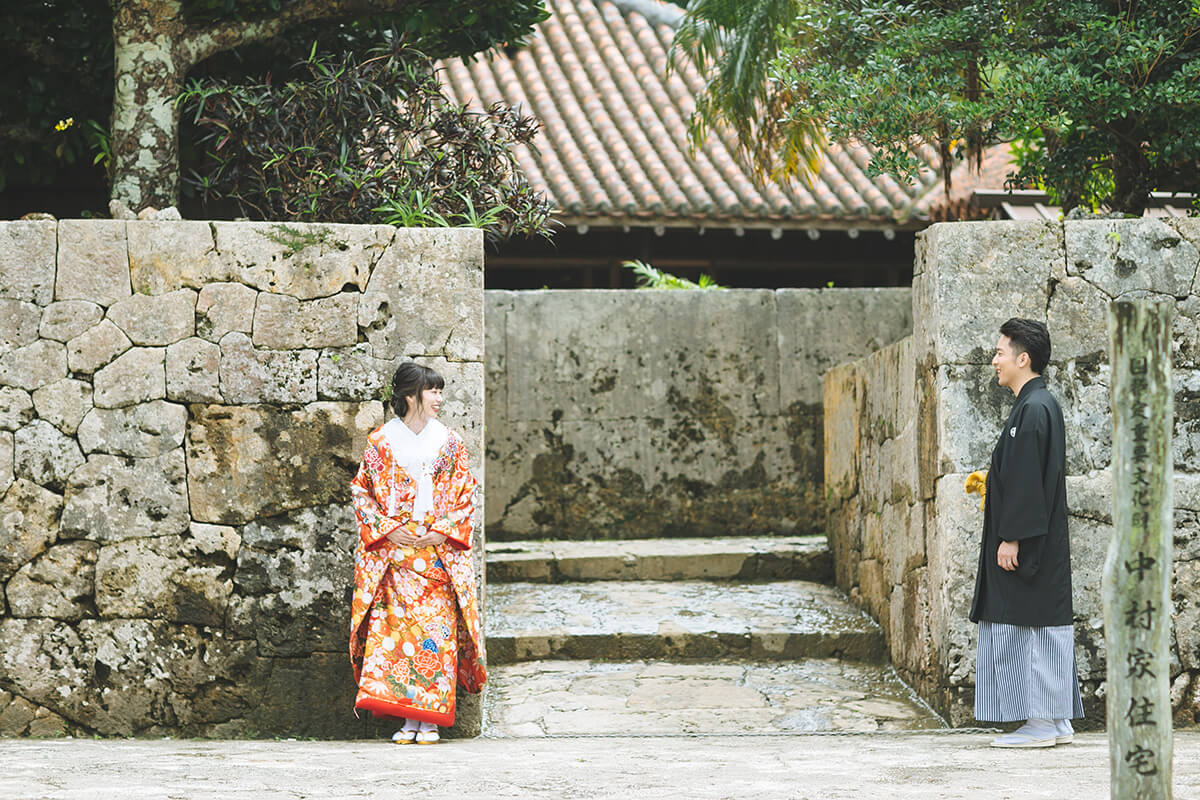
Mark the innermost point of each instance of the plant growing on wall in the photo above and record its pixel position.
(364, 139)
(650, 278)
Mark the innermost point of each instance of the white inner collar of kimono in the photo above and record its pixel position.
(416, 454)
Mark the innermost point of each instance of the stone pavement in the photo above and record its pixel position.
(896, 766)
(728, 697)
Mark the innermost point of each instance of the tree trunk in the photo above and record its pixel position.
(150, 68)
(1131, 173)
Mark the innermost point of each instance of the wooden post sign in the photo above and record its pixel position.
(1137, 572)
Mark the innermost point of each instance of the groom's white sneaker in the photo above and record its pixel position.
(1034, 733)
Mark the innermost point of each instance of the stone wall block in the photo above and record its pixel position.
(820, 329)
(352, 373)
(143, 431)
(1128, 255)
(29, 516)
(1077, 317)
(165, 256)
(291, 581)
(156, 320)
(1186, 599)
(249, 375)
(162, 578)
(985, 272)
(28, 254)
(193, 369)
(96, 347)
(65, 320)
(258, 461)
(1082, 389)
(34, 365)
(841, 423)
(64, 403)
(414, 305)
(971, 409)
(93, 261)
(60, 584)
(225, 307)
(497, 305)
(285, 323)
(303, 260)
(16, 408)
(44, 455)
(112, 498)
(18, 323)
(136, 376)
(6, 461)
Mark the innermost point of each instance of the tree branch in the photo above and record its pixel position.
(201, 42)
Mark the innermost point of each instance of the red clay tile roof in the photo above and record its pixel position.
(613, 149)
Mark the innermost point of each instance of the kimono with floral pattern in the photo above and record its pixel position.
(414, 627)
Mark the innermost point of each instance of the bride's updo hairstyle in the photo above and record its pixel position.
(410, 380)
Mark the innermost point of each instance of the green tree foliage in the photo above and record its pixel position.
(1102, 96)
(364, 139)
(58, 57)
(649, 277)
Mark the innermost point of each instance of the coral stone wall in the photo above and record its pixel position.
(906, 425)
(182, 407)
(626, 414)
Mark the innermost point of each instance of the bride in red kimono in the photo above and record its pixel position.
(414, 630)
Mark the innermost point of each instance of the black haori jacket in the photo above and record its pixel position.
(1027, 503)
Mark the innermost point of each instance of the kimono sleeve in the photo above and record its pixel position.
(1024, 511)
(457, 525)
(373, 524)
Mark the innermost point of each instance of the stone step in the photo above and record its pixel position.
(734, 557)
(547, 698)
(682, 619)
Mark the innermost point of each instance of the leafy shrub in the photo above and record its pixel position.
(364, 139)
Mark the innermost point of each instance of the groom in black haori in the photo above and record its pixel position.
(1025, 664)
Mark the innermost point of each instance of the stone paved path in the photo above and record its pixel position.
(665, 637)
(582, 697)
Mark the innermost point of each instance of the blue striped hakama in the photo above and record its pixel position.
(1026, 673)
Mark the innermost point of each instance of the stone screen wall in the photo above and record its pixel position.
(637, 413)
(906, 425)
(182, 407)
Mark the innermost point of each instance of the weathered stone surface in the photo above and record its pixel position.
(820, 329)
(6, 461)
(352, 373)
(96, 347)
(44, 455)
(18, 323)
(142, 431)
(28, 252)
(29, 516)
(971, 409)
(93, 261)
(65, 320)
(33, 365)
(1007, 267)
(304, 260)
(164, 577)
(291, 581)
(285, 323)
(249, 375)
(167, 256)
(64, 403)
(417, 304)
(225, 307)
(136, 376)
(194, 371)
(1122, 256)
(1078, 311)
(16, 408)
(60, 584)
(245, 463)
(158, 319)
(112, 498)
